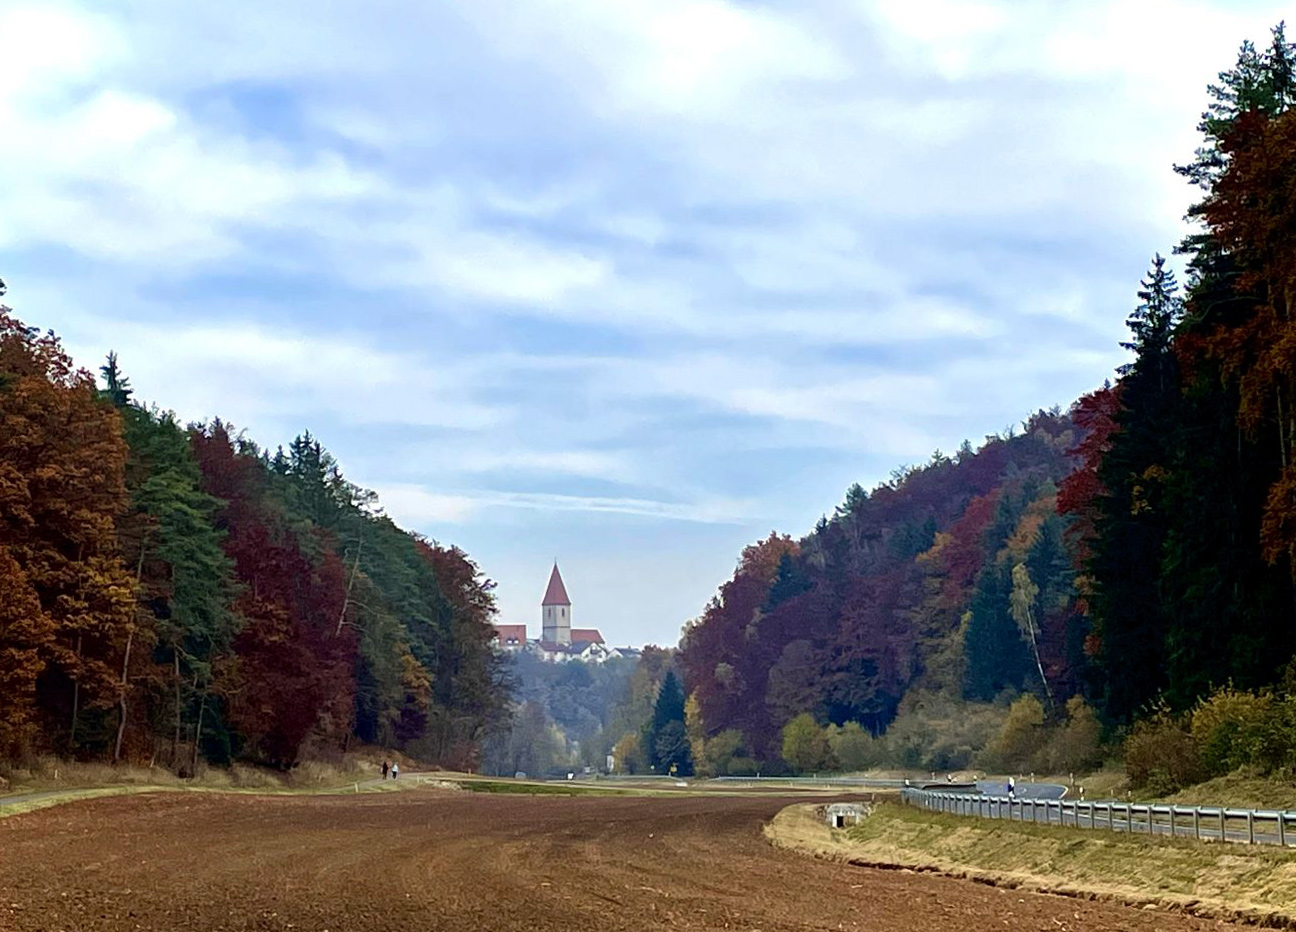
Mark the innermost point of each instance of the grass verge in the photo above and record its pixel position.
(1234, 882)
(47, 798)
(548, 789)
(1240, 789)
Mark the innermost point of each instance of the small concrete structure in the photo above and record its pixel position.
(841, 815)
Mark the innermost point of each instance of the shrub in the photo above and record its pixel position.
(1231, 730)
(628, 754)
(1021, 738)
(1161, 756)
(1076, 744)
(805, 746)
(741, 767)
(854, 748)
(934, 732)
(719, 752)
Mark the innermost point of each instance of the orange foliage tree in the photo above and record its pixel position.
(62, 459)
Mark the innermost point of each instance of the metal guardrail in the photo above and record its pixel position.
(1204, 823)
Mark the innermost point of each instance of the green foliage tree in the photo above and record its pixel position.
(719, 753)
(805, 746)
(1021, 605)
(1022, 736)
(854, 748)
(1075, 746)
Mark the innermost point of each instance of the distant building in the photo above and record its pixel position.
(559, 641)
(510, 637)
(555, 612)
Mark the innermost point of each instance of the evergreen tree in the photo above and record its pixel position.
(185, 582)
(997, 657)
(667, 711)
(790, 582)
(1125, 560)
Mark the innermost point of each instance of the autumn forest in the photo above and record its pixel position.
(176, 594)
(1114, 579)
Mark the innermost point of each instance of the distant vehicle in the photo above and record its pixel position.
(520, 775)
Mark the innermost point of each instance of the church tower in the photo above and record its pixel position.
(555, 612)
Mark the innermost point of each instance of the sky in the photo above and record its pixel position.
(627, 284)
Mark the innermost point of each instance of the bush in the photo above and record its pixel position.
(741, 767)
(627, 755)
(719, 752)
(1076, 744)
(1234, 729)
(934, 732)
(1021, 738)
(854, 748)
(805, 746)
(1161, 756)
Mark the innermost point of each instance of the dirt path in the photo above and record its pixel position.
(442, 861)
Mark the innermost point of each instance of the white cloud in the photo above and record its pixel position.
(682, 58)
(270, 379)
(416, 506)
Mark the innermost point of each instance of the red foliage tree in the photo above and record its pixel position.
(292, 677)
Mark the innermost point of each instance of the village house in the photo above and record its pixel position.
(559, 642)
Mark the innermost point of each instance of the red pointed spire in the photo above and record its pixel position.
(556, 594)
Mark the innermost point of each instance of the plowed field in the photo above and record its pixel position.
(433, 860)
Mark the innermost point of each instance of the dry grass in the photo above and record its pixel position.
(1227, 881)
(44, 774)
(1241, 789)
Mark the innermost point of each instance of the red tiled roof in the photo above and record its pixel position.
(511, 633)
(556, 594)
(586, 635)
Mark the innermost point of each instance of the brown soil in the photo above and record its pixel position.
(443, 861)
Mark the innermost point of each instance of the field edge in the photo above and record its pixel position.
(802, 828)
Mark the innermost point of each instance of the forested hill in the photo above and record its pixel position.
(1131, 562)
(904, 588)
(175, 593)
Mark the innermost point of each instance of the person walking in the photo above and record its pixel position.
(1012, 788)
(395, 770)
(384, 769)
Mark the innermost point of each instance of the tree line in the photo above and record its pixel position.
(1130, 561)
(176, 594)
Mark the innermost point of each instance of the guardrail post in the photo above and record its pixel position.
(1282, 828)
(1172, 821)
(1223, 832)
(1197, 822)
(1250, 826)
